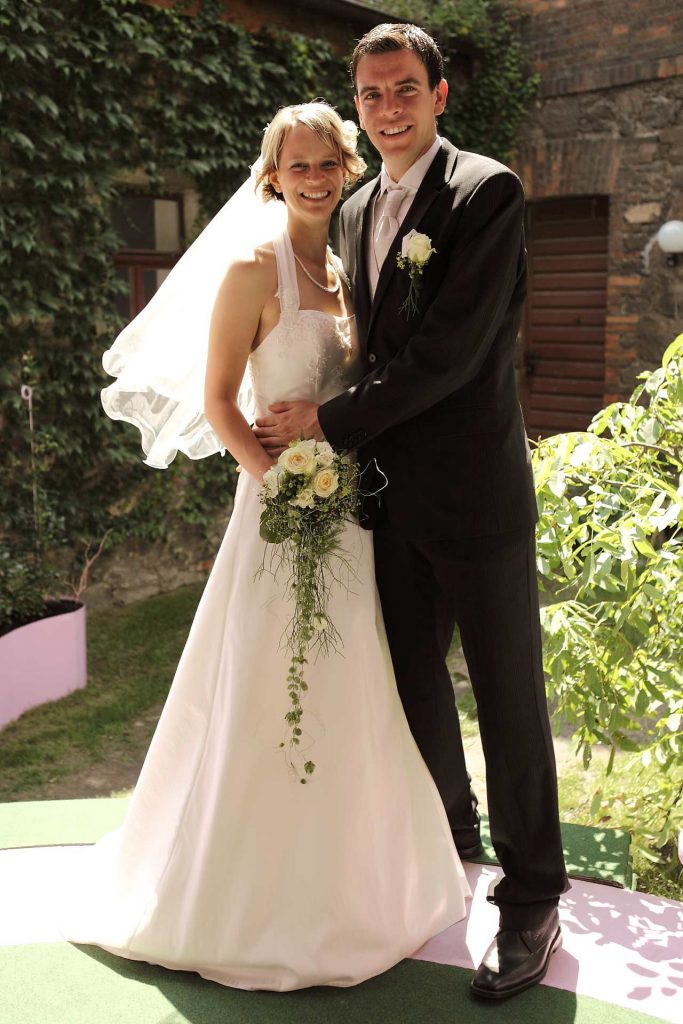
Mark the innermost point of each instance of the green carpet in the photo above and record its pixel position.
(595, 854)
(59, 822)
(63, 984)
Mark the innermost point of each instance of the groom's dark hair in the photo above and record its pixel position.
(391, 37)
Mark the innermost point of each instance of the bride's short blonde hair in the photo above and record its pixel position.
(320, 117)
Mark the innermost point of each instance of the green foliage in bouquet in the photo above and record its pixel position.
(308, 496)
(610, 556)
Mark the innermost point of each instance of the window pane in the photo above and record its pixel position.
(151, 282)
(143, 222)
(167, 225)
(162, 275)
(133, 219)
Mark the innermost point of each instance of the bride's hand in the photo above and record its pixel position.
(258, 472)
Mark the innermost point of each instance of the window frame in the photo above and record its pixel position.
(136, 261)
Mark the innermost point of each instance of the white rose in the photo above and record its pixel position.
(270, 480)
(304, 499)
(417, 247)
(325, 482)
(325, 454)
(298, 459)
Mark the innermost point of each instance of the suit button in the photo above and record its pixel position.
(372, 358)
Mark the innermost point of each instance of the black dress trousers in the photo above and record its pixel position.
(487, 585)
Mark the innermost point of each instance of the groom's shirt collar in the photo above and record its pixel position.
(414, 176)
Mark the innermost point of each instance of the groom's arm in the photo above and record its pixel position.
(451, 344)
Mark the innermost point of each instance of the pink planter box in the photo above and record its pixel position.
(42, 661)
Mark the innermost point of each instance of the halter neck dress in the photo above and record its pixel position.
(226, 865)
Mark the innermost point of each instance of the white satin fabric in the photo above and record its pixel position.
(226, 865)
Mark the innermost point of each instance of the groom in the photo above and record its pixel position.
(454, 529)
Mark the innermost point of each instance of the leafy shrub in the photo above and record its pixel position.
(610, 556)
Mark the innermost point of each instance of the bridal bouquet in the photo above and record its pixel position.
(307, 497)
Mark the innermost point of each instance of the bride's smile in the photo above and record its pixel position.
(310, 175)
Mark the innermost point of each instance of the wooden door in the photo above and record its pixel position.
(563, 342)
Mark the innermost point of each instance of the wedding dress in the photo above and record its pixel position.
(226, 865)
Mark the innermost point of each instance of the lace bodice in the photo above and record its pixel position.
(309, 354)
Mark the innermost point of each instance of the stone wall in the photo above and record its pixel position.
(608, 120)
(136, 570)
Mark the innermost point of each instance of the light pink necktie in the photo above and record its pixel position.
(388, 223)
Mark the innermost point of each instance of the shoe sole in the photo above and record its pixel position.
(528, 982)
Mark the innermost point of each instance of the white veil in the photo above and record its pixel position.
(159, 359)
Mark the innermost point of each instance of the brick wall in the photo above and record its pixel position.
(584, 45)
(609, 121)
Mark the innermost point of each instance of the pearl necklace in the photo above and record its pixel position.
(331, 290)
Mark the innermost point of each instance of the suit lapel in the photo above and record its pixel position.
(362, 284)
(439, 173)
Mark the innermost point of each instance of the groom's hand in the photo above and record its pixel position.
(287, 421)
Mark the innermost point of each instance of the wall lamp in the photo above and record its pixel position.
(670, 240)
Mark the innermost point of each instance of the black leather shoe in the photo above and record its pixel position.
(516, 960)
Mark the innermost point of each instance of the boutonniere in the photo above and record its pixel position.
(415, 253)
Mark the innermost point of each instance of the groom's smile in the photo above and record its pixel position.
(397, 107)
(396, 131)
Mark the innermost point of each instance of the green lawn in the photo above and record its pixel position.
(132, 655)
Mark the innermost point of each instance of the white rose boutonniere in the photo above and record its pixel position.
(415, 253)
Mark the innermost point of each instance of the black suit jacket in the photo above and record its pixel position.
(438, 408)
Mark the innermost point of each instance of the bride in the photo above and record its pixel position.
(224, 864)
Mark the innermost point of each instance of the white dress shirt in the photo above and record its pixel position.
(411, 181)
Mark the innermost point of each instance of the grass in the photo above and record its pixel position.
(132, 655)
(576, 787)
(467, 708)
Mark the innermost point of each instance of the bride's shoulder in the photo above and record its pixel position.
(254, 271)
(264, 257)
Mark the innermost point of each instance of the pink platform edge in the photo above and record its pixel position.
(42, 661)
